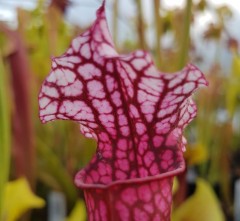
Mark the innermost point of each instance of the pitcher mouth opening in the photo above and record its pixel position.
(83, 185)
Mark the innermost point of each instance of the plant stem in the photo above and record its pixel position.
(115, 22)
(158, 32)
(140, 25)
(23, 134)
(5, 134)
(184, 48)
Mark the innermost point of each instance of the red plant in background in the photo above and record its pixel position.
(136, 113)
(22, 126)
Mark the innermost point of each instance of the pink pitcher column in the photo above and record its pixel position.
(142, 199)
(136, 113)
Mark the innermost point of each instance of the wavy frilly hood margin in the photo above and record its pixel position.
(135, 112)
